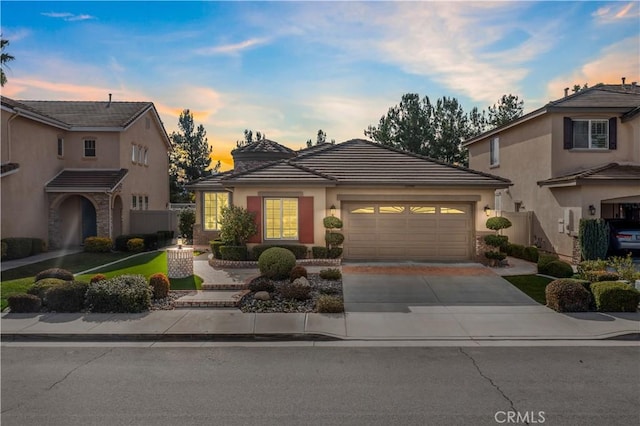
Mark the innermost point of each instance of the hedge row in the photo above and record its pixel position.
(224, 252)
(151, 241)
(573, 295)
(19, 247)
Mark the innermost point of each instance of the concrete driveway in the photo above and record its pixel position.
(405, 287)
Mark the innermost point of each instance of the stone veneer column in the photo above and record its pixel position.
(103, 214)
(55, 238)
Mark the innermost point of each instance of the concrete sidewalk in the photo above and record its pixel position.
(423, 323)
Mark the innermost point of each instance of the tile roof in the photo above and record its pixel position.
(83, 114)
(263, 145)
(612, 173)
(357, 162)
(86, 180)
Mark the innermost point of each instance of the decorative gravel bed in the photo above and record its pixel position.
(167, 304)
(277, 303)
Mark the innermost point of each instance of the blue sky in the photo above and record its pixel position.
(291, 68)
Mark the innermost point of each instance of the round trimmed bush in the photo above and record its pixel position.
(496, 240)
(331, 274)
(262, 284)
(24, 303)
(67, 297)
(160, 285)
(567, 295)
(297, 272)
(276, 263)
(615, 296)
(125, 293)
(40, 287)
(329, 304)
(332, 222)
(559, 269)
(295, 291)
(135, 245)
(334, 238)
(497, 223)
(59, 273)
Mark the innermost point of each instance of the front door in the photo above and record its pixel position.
(89, 221)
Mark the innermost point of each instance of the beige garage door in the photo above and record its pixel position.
(407, 231)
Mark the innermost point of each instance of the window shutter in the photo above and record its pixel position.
(254, 205)
(305, 220)
(613, 133)
(568, 133)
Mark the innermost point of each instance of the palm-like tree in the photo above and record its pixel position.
(4, 58)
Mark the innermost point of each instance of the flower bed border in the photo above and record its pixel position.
(254, 264)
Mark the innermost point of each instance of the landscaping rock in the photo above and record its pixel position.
(302, 281)
(262, 295)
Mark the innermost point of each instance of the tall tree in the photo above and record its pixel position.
(320, 139)
(249, 138)
(191, 155)
(4, 58)
(451, 126)
(508, 108)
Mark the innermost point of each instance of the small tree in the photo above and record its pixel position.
(332, 238)
(593, 237)
(237, 225)
(187, 219)
(496, 241)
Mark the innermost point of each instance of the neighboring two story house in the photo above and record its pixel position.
(576, 157)
(71, 170)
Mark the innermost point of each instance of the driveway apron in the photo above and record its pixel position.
(399, 287)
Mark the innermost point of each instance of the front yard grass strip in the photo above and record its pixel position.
(72, 262)
(532, 285)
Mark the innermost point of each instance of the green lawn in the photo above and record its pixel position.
(18, 280)
(532, 285)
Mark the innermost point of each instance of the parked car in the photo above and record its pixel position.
(625, 235)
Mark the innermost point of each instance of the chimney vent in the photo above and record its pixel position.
(623, 79)
(566, 92)
(109, 101)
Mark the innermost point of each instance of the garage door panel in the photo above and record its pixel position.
(408, 231)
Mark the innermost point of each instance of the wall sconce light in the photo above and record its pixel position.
(332, 209)
(180, 242)
(487, 210)
(592, 210)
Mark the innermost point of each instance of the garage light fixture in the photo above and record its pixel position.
(592, 210)
(332, 209)
(487, 210)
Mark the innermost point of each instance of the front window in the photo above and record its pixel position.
(495, 152)
(591, 134)
(213, 204)
(281, 218)
(89, 148)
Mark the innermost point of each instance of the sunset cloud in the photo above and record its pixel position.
(232, 49)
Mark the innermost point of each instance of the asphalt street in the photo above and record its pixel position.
(291, 385)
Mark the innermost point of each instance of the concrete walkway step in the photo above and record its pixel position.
(211, 299)
(224, 286)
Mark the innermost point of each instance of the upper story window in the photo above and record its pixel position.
(134, 153)
(591, 134)
(60, 147)
(89, 148)
(134, 202)
(494, 151)
(139, 154)
(146, 156)
(281, 218)
(212, 212)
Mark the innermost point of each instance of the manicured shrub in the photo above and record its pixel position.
(18, 247)
(262, 284)
(495, 255)
(496, 240)
(160, 285)
(334, 252)
(597, 276)
(237, 253)
(4, 249)
(24, 303)
(98, 244)
(591, 265)
(543, 260)
(297, 272)
(67, 297)
(319, 252)
(593, 238)
(186, 219)
(559, 269)
(276, 263)
(514, 250)
(40, 287)
(334, 238)
(135, 245)
(497, 223)
(125, 293)
(215, 248)
(615, 296)
(530, 253)
(97, 277)
(329, 304)
(332, 222)
(150, 241)
(331, 274)
(298, 250)
(164, 238)
(625, 267)
(295, 290)
(59, 273)
(567, 295)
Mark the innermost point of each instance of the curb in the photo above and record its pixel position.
(183, 337)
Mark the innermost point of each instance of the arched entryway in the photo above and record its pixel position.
(77, 220)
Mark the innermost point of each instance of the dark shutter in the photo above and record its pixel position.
(305, 220)
(254, 205)
(568, 133)
(613, 133)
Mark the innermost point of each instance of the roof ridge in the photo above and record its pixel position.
(310, 170)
